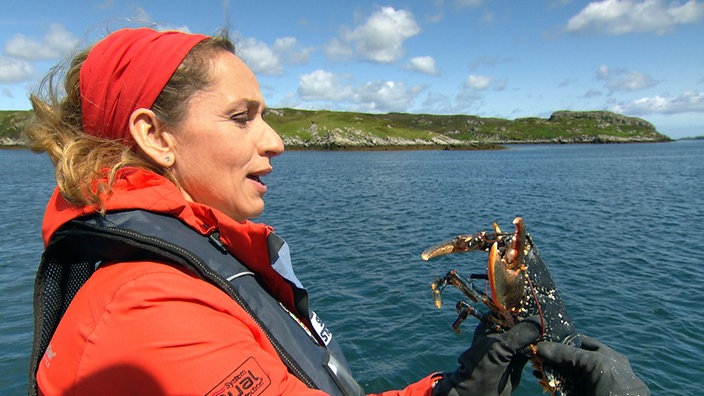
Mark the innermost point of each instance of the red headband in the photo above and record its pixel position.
(126, 71)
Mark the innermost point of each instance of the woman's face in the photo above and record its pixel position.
(223, 147)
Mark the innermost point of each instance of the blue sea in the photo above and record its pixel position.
(621, 228)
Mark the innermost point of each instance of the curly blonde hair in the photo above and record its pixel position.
(83, 161)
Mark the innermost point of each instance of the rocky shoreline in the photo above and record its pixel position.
(8, 142)
(336, 140)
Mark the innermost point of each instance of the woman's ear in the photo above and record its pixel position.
(148, 132)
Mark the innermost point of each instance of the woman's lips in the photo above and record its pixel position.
(258, 183)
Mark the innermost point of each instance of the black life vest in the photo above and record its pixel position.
(79, 246)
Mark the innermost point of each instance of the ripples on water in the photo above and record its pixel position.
(620, 227)
(26, 182)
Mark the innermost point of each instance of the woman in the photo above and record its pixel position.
(160, 148)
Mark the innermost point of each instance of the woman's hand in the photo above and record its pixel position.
(493, 364)
(594, 368)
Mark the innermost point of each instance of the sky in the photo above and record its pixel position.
(490, 58)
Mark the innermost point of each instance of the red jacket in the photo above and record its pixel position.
(152, 328)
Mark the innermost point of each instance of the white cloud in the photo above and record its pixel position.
(632, 16)
(690, 101)
(387, 96)
(487, 17)
(488, 62)
(56, 44)
(285, 43)
(288, 48)
(558, 3)
(338, 50)
(375, 96)
(6, 93)
(323, 85)
(105, 4)
(592, 93)
(14, 70)
(141, 16)
(259, 56)
(477, 82)
(624, 80)
(380, 39)
(468, 101)
(566, 82)
(439, 103)
(263, 59)
(422, 64)
(435, 18)
(500, 85)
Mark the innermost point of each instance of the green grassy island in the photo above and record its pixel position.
(333, 130)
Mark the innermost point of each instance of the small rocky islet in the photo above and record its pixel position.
(336, 130)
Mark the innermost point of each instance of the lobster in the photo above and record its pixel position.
(519, 286)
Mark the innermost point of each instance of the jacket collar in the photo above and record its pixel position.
(136, 188)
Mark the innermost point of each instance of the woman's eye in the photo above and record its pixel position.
(240, 118)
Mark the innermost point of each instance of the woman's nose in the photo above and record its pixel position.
(271, 144)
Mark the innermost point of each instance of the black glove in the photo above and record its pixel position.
(493, 359)
(595, 369)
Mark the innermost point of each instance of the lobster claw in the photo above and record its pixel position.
(460, 244)
(547, 301)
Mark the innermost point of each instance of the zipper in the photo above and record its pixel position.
(295, 369)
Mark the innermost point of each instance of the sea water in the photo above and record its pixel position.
(619, 226)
